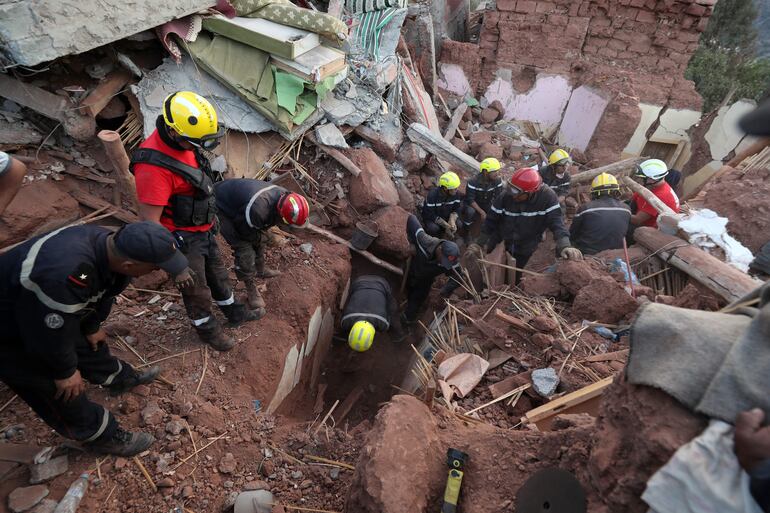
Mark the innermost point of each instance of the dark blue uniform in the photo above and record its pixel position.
(483, 191)
(439, 204)
(370, 299)
(54, 290)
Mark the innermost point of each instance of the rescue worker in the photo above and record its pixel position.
(480, 191)
(652, 175)
(520, 215)
(12, 173)
(175, 188)
(603, 222)
(246, 209)
(371, 308)
(441, 210)
(55, 292)
(556, 174)
(432, 257)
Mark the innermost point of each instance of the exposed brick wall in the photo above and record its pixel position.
(465, 55)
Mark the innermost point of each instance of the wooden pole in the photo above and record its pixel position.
(620, 168)
(120, 162)
(645, 193)
(455, 121)
(329, 235)
(442, 149)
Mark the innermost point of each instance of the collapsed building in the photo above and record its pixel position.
(393, 95)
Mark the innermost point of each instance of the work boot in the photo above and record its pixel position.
(255, 300)
(238, 313)
(122, 443)
(266, 272)
(135, 379)
(211, 333)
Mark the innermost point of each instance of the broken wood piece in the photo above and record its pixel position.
(95, 202)
(147, 364)
(567, 401)
(454, 122)
(335, 154)
(326, 417)
(329, 235)
(514, 321)
(105, 91)
(348, 404)
(85, 175)
(501, 398)
(511, 382)
(620, 356)
(8, 403)
(510, 267)
(195, 454)
(442, 149)
(126, 187)
(723, 279)
(617, 169)
(205, 367)
(318, 408)
(145, 473)
(330, 462)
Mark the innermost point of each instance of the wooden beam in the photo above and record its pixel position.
(347, 405)
(645, 193)
(514, 321)
(620, 168)
(618, 356)
(455, 122)
(723, 279)
(96, 203)
(335, 154)
(564, 402)
(329, 235)
(105, 91)
(442, 149)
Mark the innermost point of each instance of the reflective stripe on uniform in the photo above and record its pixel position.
(102, 428)
(201, 322)
(469, 186)
(251, 202)
(26, 270)
(442, 204)
(225, 302)
(114, 375)
(526, 214)
(621, 209)
(371, 316)
(417, 241)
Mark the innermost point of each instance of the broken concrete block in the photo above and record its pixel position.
(257, 501)
(392, 235)
(152, 414)
(26, 497)
(405, 198)
(412, 156)
(386, 139)
(373, 188)
(479, 139)
(545, 381)
(330, 135)
(48, 470)
(489, 150)
(461, 145)
(228, 464)
(306, 248)
(45, 506)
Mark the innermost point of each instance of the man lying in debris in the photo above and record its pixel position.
(246, 209)
(371, 308)
(432, 257)
(603, 222)
(175, 188)
(442, 206)
(480, 191)
(652, 174)
(12, 173)
(521, 214)
(55, 292)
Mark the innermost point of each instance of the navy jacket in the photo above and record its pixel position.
(54, 289)
(250, 205)
(425, 265)
(371, 299)
(438, 204)
(483, 192)
(561, 185)
(600, 224)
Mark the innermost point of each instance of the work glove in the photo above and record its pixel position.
(571, 254)
(185, 279)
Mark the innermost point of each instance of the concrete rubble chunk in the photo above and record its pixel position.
(306, 248)
(152, 414)
(373, 188)
(258, 501)
(412, 157)
(330, 135)
(26, 497)
(48, 470)
(545, 381)
(45, 506)
(228, 464)
(385, 138)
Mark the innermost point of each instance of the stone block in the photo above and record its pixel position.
(43, 472)
(386, 139)
(392, 232)
(490, 150)
(608, 52)
(558, 20)
(489, 115)
(696, 10)
(373, 188)
(24, 498)
(617, 45)
(526, 6)
(478, 139)
(412, 156)
(647, 17)
(506, 5)
(545, 7)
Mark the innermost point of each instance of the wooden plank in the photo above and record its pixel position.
(20, 453)
(620, 168)
(329, 235)
(457, 116)
(645, 193)
(315, 65)
(503, 387)
(96, 203)
(85, 175)
(442, 149)
(556, 406)
(347, 405)
(514, 321)
(719, 277)
(590, 407)
(620, 356)
(105, 91)
(335, 154)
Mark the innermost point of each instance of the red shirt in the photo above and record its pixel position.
(155, 185)
(666, 194)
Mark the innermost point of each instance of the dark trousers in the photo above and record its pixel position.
(211, 278)
(433, 229)
(418, 289)
(468, 214)
(248, 250)
(79, 419)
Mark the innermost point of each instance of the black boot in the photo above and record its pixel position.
(122, 443)
(238, 313)
(136, 378)
(211, 333)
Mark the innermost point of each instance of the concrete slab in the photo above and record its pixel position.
(724, 135)
(638, 140)
(544, 103)
(674, 124)
(584, 111)
(35, 31)
(695, 180)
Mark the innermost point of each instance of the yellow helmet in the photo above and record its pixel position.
(193, 117)
(449, 180)
(604, 183)
(361, 336)
(489, 164)
(559, 157)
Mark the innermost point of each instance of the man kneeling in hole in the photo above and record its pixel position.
(371, 308)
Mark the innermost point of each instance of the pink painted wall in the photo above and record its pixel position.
(451, 77)
(584, 111)
(544, 103)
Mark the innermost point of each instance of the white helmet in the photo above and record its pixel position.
(653, 169)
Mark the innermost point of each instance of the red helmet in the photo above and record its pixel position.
(294, 209)
(527, 179)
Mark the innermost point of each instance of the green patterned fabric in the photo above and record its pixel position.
(367, 32)
(286, 13)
